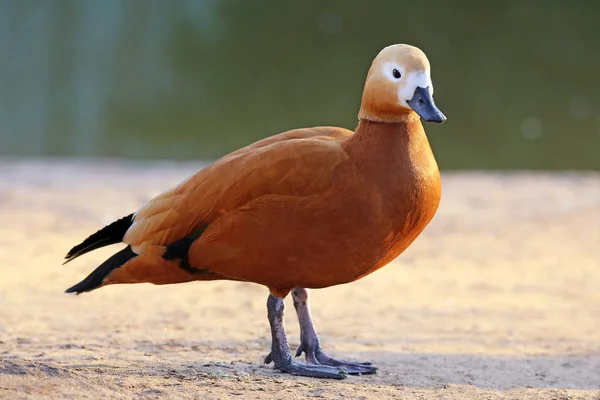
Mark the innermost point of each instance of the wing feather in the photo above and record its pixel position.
(297, 162)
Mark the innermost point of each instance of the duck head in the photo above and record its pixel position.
(399, 87)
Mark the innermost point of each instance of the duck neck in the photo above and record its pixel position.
(396, 158)
(388, 144)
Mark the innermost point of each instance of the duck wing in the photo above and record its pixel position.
(295, 163)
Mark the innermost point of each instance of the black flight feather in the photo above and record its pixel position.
(110, 234)
(95, 279)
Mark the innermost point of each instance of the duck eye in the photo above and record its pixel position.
(396, 73)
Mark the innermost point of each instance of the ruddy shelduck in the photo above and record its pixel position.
(307, 208)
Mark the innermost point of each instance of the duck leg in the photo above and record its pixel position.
(280, 351)
(310, 343)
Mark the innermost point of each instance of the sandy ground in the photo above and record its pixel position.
(498, 299)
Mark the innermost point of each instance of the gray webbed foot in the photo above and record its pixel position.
(317, 357)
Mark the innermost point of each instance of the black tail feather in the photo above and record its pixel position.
(110, 234)
(95, 279)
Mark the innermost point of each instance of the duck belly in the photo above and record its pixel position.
(286, 242)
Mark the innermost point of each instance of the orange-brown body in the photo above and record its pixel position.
(309, 208)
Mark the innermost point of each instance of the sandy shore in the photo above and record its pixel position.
(498, 299)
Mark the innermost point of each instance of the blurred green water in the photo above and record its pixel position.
(518, 80)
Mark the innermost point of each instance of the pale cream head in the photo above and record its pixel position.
(399, 87)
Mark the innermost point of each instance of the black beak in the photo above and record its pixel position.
(422, 103)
